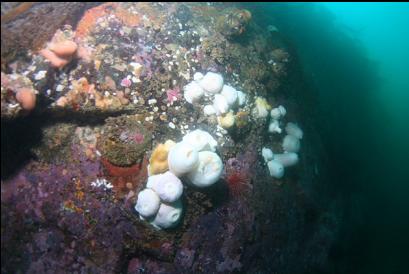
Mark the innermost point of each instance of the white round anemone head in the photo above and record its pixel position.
(291, 144)
(168, 215)
(193, 92)
(148, 203)
(276, 169)
(287, 159)
(212, 82)
(220, 104)
(209, 110)
(274, 127)
(200, 140)
(278, 112)
(282, 110)
(167, 186)
(198, 76)
(182, 158)
(208, 171)
(294, 130)
(241, 97)
(230, 93)
(153, 180)
(267, 154)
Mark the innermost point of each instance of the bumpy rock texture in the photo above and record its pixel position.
(72, 168)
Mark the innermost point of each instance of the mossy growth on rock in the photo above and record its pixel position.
(55, 143)
(124, 140)
(233, 23)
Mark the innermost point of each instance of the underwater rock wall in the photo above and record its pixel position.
(102, 109)
(30, 25)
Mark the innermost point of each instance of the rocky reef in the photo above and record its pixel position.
(99, 111)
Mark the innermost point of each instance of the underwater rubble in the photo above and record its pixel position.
(105, 92)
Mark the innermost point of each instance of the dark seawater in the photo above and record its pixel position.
(356, 57)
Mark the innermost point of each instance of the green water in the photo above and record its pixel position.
(356, 56)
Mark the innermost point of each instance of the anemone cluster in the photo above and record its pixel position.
(194, 160)
(224, 98)
(290, 144)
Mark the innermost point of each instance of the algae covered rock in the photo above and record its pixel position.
(124, 140)
(233, 23)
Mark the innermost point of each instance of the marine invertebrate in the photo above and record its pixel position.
(193, 92)
(118, 171)
(274, 127)
(294, 130)
(225, 97)
(126, 82)
(242, 119)
(267, 154)
(238, 183)
(276, 169)
(291, 144)
(277, 162)
(17, 94)
(212, 82)
(168, 187)
(208, 171)
(261, 108)
(190, 157)
(237, 173)
(148, 203)
(55, 61)
(27, 98)
(200, 140)
(209, 110)
(287, 159)
(278, 112)
(124, 141)
(220, 104)
(59, 53)
(226, 121)
(182, 158)
(241, 97)
(198, 76)
(168, 215)
(158, 163)
(230, 93)
(64, 49)
(173, 94)
(131, 136)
